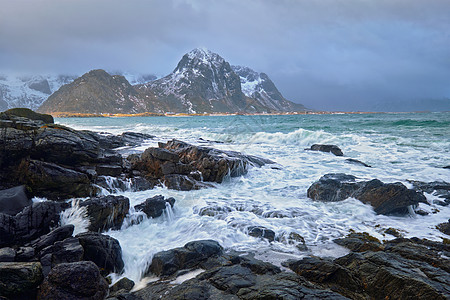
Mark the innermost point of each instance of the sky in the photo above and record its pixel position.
(346, 55)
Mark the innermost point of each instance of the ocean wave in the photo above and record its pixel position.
(421, 123)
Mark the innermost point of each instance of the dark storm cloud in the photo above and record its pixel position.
(326, 54)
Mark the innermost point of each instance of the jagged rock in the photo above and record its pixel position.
(437, 188)
(109, 170)
(106, 212)
(154, 207)
(25, 254)
(19, 280)
(32, 222)
(327, 148)
(406, 268)
(79, 280)
(183, 166)
(53, 236)
(262, 232)
(7, 254)
(360, 242)
(166, 263)
(66, 251)
(13, 200)
(122, 286)
(386, 198)
(444, 227)
(103, 250)
(357, 162)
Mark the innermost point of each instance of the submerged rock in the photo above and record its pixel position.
(262, 232)
(357, 162)
(327, 148)
(154, 207)
(444, 227)
(386, 198)
(79, 280)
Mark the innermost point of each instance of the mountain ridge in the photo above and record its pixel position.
(202, 82)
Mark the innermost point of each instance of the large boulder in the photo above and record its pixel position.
(154, 207)
(58, 234)
(168, 262)
(53, 181)
(19, 280)
(183, 166)
(103, 250)
(66, 251)
(13, 200)
(386, 198)
(79, 280)
(29, 114)
(106, 212)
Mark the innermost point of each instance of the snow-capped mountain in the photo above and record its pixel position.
(29, 91)
(202, 82)
(258, 86)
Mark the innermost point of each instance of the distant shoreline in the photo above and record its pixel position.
(150, 114)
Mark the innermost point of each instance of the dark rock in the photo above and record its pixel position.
(32, 222)
(29, 114)
(13, 200)
(437, 188)
(122, 286)
(293, 238)
(360, 242)
(231, 279)
(103, 250)
(106, 212)
(79, 280)
(25, 254)
(134, 138)
(444, 227)
(386, 198)
(55, 182)
(327, 148)
(19, 280)
(166, 263)
(66, 251)
(262, 232)
(108, 170)
(183, 166)
(7, 254)
(357, 162)
(154, 207)
(55, 235)
(393, 232)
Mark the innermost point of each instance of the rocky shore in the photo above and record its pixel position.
(43, 259)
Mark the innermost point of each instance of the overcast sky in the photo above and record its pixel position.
(326, 54)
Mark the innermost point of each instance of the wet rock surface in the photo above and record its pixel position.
(183, 166)
(398, 269)
(386, 198)
(13, 200)
(106, 212)
(327, 148)
(103, 250)
(20, 280)
(80, 280)
(154, 207)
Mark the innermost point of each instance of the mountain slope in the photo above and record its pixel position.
(96, 92)
(202, 82)
(258, 86)
(29, 91)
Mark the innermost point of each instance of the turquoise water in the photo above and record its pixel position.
(399, 147)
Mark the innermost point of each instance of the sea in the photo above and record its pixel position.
(398, 147)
